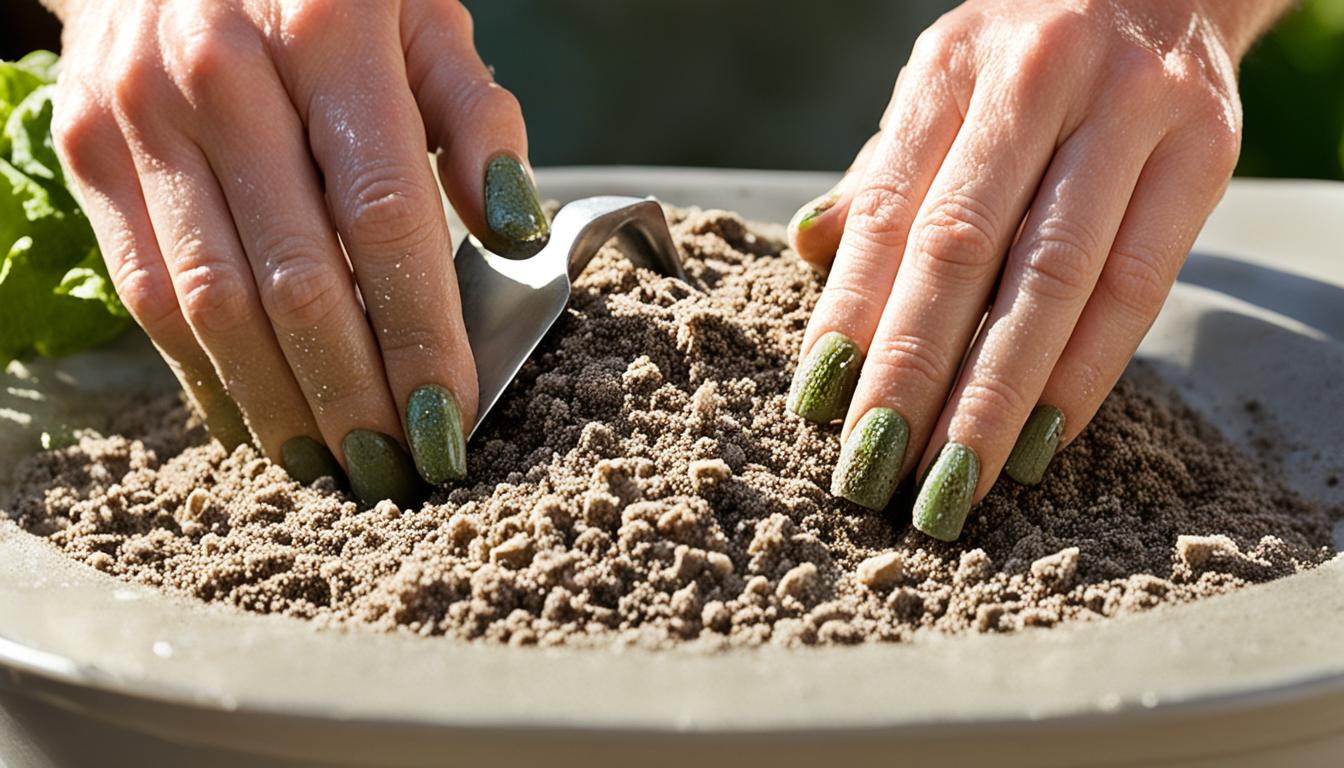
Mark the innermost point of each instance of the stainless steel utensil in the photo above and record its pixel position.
(508, 305)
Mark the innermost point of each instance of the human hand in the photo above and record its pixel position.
(222, 147)
(1048, 163)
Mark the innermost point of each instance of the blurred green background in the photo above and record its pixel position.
(793, 83)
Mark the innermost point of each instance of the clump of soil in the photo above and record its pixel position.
(641, 482)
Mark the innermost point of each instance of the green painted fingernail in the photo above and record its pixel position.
(434, 425)
(1036, 445)
(945, 499)
(380, 469)
(870, 463)
(512, 209)
(306, 460)
(808, 214)
(824, 383)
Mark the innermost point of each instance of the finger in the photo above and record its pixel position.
(477, 125)
(304, 290)
(1048, 277)
(1178, 189)
(903, 165)
(951, 263)
(815, 230)
(369, 141)
(100, 165)
(213, 284)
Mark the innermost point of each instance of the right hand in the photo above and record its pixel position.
(222, 147)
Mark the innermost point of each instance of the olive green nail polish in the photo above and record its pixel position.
(512, 209)
(824, 383)
(380, 469)
(438, 444)
(945, 499)
(870, 463)
(1036, 446)
(306, 460)
(808, 214)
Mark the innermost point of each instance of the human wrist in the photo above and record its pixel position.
(1241, 22)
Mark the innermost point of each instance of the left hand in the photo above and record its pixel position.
(1047, 162)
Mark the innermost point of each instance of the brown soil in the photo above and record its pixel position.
(641, 482)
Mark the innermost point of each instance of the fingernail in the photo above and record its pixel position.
(434, 425)
(824, 383)
(945, 499)
(306, 460)
(870, 463)
(380, 469)
(808, 214)
(1036, 446)
(512, 209)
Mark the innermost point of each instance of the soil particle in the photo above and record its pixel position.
(641, 482)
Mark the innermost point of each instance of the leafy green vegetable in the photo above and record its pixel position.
(55, 295)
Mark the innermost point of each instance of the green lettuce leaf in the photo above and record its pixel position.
(55, 294)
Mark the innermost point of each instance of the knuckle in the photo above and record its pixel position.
(1048, 36)
(992, 405)
(476, 100)
(911, 361)
(956, 240)
(305, 19)
(1140, 74)
(411, 342)
(213, 296)
(211, 56)
(148, 296)
(384, 210)
(344, 394)
(936, 46)
(299, 291)
(137, 90)
(880, 213)
(846, 301)
(1136, 280)
(80, 129)
(1062, 262)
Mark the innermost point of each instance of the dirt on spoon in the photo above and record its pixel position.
(642, 483)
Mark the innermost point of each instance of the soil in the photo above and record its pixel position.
(642, 483)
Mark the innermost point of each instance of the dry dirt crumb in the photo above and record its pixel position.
(642, 483)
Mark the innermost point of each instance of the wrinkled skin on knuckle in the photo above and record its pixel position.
(383, 210)
(956, 241)
(914, 361)
(411, 344)
(213, 295)
(880, 214)
(1137, 281)
(148, 295)
(1061, 262)
(300, 291)
(988, 407)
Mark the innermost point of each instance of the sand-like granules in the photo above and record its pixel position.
(642, 482)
